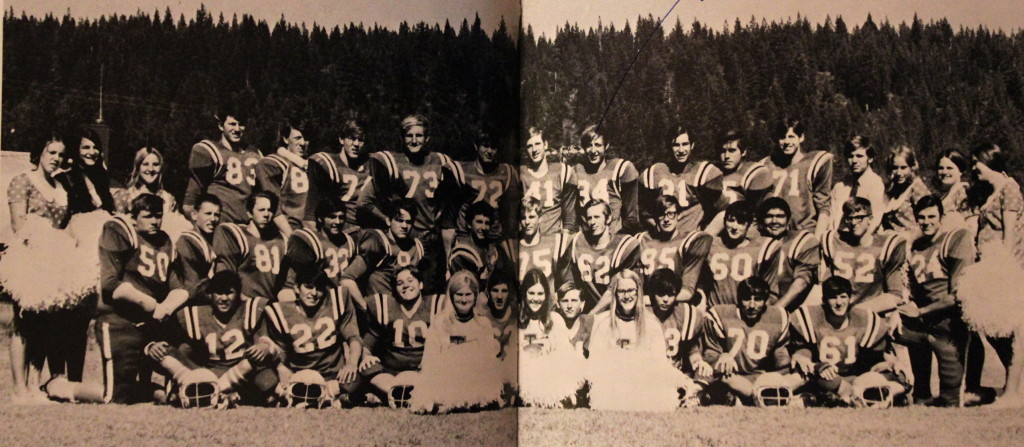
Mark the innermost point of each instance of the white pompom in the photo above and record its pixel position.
(546, 380)
(462, 376)
(990, 293)
(626, 380)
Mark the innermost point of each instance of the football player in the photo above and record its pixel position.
(612, 180)
(225, 168)
(193, 256)
(931, 322)
(553, 184)
(835, 343)
(317, 332)
(225, 337)
(134, 257)
(743, 180)
(252, 251)
(862, 181)
(478, 252)
(595, 254)
(735, 256)
(341, 172)
(485, 180)
(283, 174)
(803, 178)
(396, 332)
(792, 273)
(328, 247)
(876, 265)
(537, 249)
(746, 340)
(414, 173)
(381, 253)
(670, 246)
(681, 322)
(696, 186)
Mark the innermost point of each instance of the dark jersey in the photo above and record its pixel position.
(309, 249)
(286, 180)
(855, 347)
(378, 259)
(727, 266)
(878, 265)
(698, 188)
(750, 182)
(499, 188)
(542, 254)
(592, 268)
(760, 347)
(395, 334)
(224, 172)
(798, 258)
(217, 345)
(556, 189)
(806, 185)
(683, 327)
(193, 261)
(330, 175)
(483, 261)
(128, 257)
(936, 265)
(615, 183)
(256, 261)
(394, 176)
(685, 255)
(315, 341)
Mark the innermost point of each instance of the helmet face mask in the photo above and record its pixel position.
(307, 389)
(872, 390)
(199, 389)
(773, 396)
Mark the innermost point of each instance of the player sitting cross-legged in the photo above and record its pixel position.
(224, 338)
(846, 351)
(320, 339)
(745, 348)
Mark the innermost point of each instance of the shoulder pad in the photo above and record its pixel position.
(191, 322)
(804, 323)
(238, 235)
(819, 160)
(388, 160)
(306, 235)
(199, 242)
(123, 225)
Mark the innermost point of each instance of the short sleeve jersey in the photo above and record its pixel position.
(878, 265)
(607, 183)
(727, 266)
(596, 266)
(308, 249)
(750, 181)
(555, 187)
(542, 254)
(683, 328)
(217, 345)
(395, 176)
(854, 347)
(798, 258)
(685, 255)
(753, 346)
(399, 333)
(193, 260)
(223, 172)
(331, 175)
(313, 342)
(286, 180)
(379, 257)
(140, 261)
(474, 185)
(256, 261)
(805, 184)
(935, 264)
(699, 185)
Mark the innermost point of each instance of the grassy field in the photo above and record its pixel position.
(67, 424)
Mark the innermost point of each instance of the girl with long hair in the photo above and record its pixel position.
(550, 370)
(147, 177)
(905, 188)
(952, 188)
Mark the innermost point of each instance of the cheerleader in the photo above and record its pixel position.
(952, 189)
(990, 299)
(627, 368)
(34, 197)
(147, 177)
(905, 189)
(550, 370)
(460, 368)
(87, 181)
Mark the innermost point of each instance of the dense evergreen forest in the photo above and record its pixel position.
(164, 79)
(923, 84)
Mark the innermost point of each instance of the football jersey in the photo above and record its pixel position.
(224, 172)
(497, 188)
(798, 257)
(750, 181)
(878, 265)
(685, 255)
(935, 266)
(394, 176)
(761, 347)
(256, 261)
(726, 267)
(542, 254)
(395, 334)
(482, 261)
(311, 249)
(216, 345)
(683, 327)
(555, 187)
(610, 182)
(699, 186)
(378, 259)
(805, 184)
(128, 257)
(330, 174)
(193, 261)
(286, 180)
(592, 268)
(313, 342)
(855, 347)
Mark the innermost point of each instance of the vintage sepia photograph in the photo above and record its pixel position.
(512, 222)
